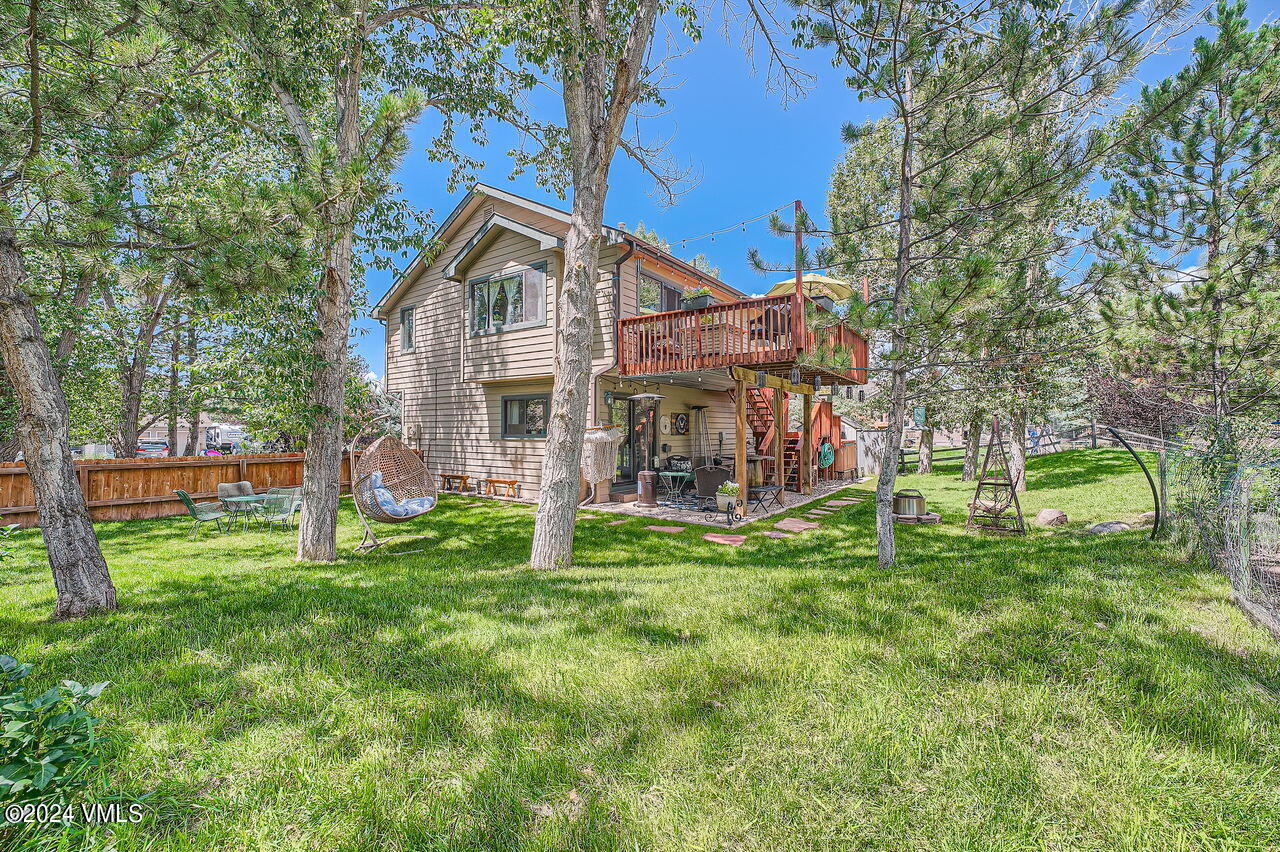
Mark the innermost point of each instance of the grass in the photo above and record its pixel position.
(1059, 691)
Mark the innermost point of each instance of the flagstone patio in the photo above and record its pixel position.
(791, 500)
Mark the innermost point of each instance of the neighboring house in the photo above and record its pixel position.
(158, 433)
(471, 338)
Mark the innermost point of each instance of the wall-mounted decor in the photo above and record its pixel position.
(665, 424)
(680, 423)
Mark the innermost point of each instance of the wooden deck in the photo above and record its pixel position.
(767, 333)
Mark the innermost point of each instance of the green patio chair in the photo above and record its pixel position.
(201, 512)
(279, 507)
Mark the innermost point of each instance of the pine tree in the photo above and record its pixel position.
(1194, 263)
(974, 164)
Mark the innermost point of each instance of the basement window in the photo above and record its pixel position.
(526, 415)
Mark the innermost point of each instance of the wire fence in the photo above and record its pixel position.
(1224, 477)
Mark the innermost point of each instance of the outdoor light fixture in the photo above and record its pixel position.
(795, 375)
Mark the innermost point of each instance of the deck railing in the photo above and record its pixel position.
(752, 332)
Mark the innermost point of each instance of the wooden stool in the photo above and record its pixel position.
(455, 481)
(512, 487)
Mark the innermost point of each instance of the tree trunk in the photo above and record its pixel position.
(576, 317)
(886, 545)
(79, 571)
(71, 334)
(132, 367)
(599, 89)
(322, 462)
(175, 357)
(926, 451)
(195, 439)
(972, 448)
(1018, 448)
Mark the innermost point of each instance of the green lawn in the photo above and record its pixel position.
(1058, 691)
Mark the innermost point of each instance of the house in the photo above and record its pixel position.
(471, 338)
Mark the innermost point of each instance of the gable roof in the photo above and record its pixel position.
(457, 216)
(481, 239)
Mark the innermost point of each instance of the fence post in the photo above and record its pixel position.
(1093, 432)
(1164, 481)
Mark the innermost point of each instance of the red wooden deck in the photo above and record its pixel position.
(762, 333)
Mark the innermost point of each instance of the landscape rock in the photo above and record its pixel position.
(1147, 519)
(1108, 527)
(1050, 518)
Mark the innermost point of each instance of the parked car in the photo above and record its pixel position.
(152, 449)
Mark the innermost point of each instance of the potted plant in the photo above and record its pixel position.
(695, 297)
(726, 496)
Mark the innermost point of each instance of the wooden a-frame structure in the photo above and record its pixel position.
(995, 506)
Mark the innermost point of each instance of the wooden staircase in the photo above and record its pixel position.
(765, 431)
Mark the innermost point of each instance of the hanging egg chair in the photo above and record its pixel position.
(390, 484)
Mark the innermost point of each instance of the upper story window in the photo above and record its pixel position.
(656, 296)
(510, 300)
(406, 329)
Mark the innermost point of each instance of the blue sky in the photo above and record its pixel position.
(749, 152)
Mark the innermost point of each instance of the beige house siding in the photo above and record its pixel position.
(452, 382)
(720, 415)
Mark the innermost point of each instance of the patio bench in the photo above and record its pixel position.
(511, 487)
(458, 482)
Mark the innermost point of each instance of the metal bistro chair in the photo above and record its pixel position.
(201, 512)
(238, 510)
(706, 480)
(278, 507)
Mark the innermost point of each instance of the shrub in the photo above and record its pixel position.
(728, 489)
(48, 745)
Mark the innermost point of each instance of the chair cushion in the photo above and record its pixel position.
(397, 509)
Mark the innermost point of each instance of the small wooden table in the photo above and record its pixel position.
(512, 487)
(455, 482)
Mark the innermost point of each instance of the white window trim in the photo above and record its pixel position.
(541, 265)
(412, 344)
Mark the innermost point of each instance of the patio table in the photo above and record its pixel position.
(248, 501)
(673, 483)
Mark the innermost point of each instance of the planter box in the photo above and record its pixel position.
(692, 303)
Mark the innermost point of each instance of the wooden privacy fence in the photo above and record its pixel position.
(129, 489)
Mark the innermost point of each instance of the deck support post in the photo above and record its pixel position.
(806, 447)
(740, 440)
(779, 437)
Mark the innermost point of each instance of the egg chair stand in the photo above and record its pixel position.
(995, 507)
(390, 484)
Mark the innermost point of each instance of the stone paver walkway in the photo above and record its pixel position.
(795, 525)
(731, 539)
(662, 529)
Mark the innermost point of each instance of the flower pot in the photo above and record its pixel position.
(692, 303)
(725, 502)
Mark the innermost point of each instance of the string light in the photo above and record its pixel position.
(742, 226)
